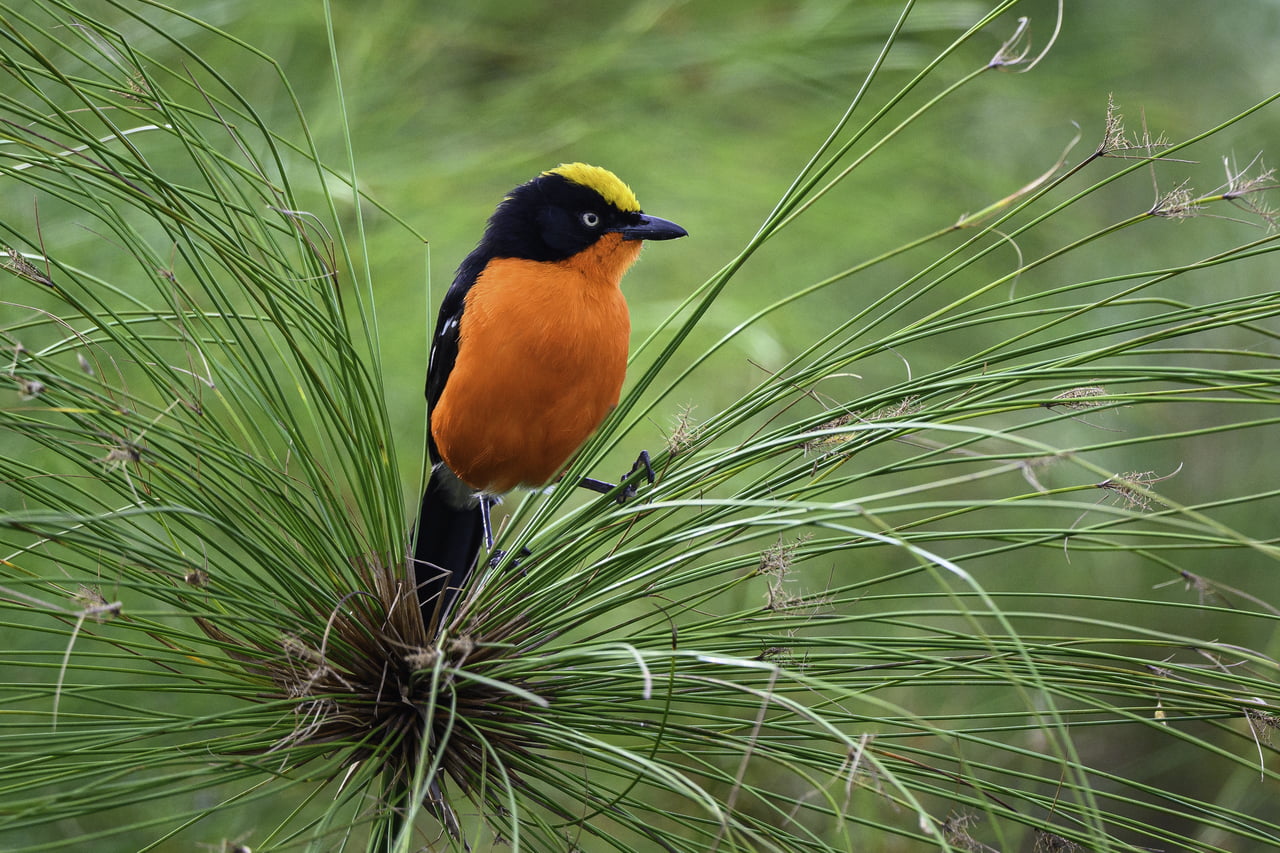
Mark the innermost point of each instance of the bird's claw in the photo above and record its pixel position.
(497, 557)
(628, 489)
(642, 463)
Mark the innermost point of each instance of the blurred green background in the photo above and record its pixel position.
(708, 109)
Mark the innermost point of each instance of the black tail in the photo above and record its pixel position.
(450, 529)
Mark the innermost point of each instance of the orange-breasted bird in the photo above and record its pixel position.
(529, 356)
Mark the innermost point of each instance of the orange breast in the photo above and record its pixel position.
(542, 356)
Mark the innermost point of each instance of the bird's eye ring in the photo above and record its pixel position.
(590, 219)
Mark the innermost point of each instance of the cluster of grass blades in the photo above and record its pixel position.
(838, 620)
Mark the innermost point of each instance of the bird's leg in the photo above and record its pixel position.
(629, 490)
(486, 503)
(642, 465)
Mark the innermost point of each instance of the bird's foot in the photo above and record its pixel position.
(498, 556)
(628, 490)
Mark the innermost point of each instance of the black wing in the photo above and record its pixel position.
(444, 345)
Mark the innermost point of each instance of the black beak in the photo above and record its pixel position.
(651, 228)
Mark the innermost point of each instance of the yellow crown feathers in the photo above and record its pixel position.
(609, 185)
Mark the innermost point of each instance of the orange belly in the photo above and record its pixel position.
(542, 355)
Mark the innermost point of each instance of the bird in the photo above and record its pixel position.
(528, 358)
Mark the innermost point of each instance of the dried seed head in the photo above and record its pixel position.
(1123, 487)
(684, 434)
(1177, 203)
(776, 563)
(1241, 183)
(1050, 842)
(1116, 142)
(90, 601)
(29, 389)
(956, 830)
(1204, 589)
(1130, 487)
(140, 92)
(1263, 723)
(1113, 135)
(1015, 48)
(122, 454)
(828, 444)
(778, 557)
(89, 597)
(1244, 191)
(1076, 399)
(22, 268)
(905, 407)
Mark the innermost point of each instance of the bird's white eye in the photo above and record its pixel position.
(590, 219)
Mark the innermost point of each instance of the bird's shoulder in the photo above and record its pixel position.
(444, 344)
